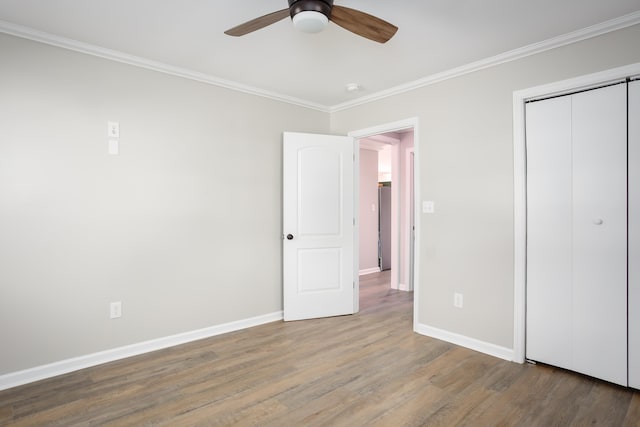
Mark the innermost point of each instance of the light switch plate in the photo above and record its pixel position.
(113, 129)
(428, 206)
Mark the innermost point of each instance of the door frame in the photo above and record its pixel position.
(520, 97)
(410, 215)
(410, 123)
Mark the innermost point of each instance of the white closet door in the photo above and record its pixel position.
(599, 123)
(549, 236)
(576, 232)
(634, 234)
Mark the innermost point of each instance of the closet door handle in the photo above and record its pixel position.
(598, 221)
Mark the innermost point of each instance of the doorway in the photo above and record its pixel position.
(402, 138)
(386, 223)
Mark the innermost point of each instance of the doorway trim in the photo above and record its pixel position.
(409, 215)
(410, 123)
(520, 184)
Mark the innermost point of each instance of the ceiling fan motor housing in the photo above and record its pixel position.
(322, 6)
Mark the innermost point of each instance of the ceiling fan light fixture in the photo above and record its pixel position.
(310, 21)
(312, 16)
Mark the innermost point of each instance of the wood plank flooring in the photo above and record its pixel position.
(369, 369)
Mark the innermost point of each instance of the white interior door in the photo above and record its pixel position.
(318, 225)
(634, 234)
(577, 232)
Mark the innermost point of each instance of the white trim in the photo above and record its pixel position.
(519, 179)
(393, 127)
(519, 229)
(407, 217)
(26, 376)
(386, 128)
(512, 55)
(403, 287)
(114, 55)
(369, 271)
(396, 208)
(464, 341)
(385, 139)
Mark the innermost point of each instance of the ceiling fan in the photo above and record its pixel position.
(311, 16)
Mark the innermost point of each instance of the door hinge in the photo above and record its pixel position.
(354, 222)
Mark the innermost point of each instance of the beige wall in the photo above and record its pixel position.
(183, 227)
(466, 167)
(368, 227)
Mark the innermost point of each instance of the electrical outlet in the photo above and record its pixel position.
(428, 206)
(458, 300)
(113, 147)
(115, 310)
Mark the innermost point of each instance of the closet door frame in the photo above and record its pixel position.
(519, 170)
(634, 233)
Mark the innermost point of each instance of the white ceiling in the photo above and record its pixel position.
(313, 69)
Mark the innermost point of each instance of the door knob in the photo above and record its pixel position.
(598, 221)
(289, 236)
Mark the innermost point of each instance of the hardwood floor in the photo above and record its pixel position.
(369, 369)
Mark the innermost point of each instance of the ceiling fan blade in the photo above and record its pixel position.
(256, 24)
(363, 24)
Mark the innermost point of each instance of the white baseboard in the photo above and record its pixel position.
(369, 271)
(403, 287)
(26, 376)
(464, 341)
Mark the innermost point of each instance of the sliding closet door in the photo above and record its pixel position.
(634, 234)
(576, 232)
(599, 123)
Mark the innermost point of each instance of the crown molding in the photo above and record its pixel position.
(512, 55)
(114, 55)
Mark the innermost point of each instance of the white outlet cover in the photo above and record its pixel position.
(458, 300)
(114, 148)
(428, 206)
(115, 310)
